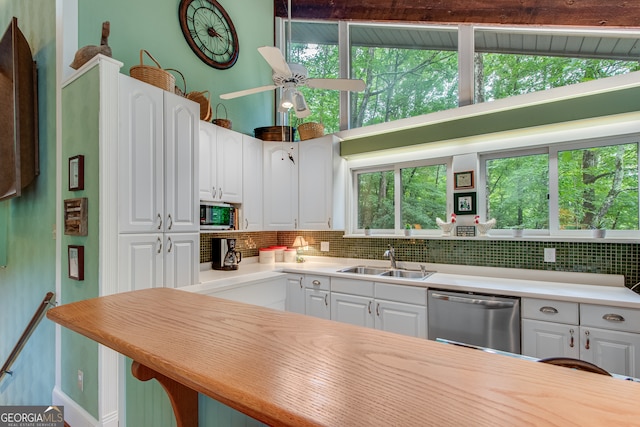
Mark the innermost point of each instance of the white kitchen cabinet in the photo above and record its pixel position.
(321, 205)
(158, 260)
(252, 200)
(157, 160)
(548, 339)
(280, 185)
(401, 318)
(295, 293)
(220, 164)
(353, 309)
(317, 296)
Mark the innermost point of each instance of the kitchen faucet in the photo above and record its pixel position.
(391, 254)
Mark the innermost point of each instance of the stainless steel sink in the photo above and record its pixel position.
(407, 274)
(363, 269)
(381, 271)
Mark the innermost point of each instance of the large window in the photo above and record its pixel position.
(422, 198)
(568, 188)
(411, 70)
(598, 187)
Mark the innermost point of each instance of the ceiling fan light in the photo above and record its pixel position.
(286, 101)
(300, 103)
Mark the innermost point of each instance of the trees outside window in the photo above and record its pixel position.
(598, 187)
(376, 199)
(424, 195)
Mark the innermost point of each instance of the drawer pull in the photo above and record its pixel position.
(613, 317)
(548, 310)
(316, 283)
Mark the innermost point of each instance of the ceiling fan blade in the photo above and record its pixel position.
(240, 93)
(355, 85)
(275, 59)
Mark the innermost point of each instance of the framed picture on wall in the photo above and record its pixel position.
(464, 203)
(76, 173)
(76, 262)
(463, 180)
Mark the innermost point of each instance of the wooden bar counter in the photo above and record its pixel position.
(288, 369)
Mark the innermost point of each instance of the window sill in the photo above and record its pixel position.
(525, 238)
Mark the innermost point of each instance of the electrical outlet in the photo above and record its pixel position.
(324, 246)
(549, 255)
(80, 380)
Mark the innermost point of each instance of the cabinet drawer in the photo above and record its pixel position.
(607, 317)
(549, 310)
(401, 293)
(317, 282)
(352, 286)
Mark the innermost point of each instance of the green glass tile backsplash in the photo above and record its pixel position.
(586, 257)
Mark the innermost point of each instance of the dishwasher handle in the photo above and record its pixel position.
(476, 301)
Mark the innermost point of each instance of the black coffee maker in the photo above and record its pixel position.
(224, 254)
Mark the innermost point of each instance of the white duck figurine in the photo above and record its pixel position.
(484, 227)
(446, 227)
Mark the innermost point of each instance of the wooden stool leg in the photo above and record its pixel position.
(183, 399)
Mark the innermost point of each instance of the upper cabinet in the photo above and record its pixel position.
(251, 212)
(157, 160)
(220, 164)
(280, 185)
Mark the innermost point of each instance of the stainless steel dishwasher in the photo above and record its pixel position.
(482, 320)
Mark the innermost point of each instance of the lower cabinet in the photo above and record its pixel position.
(295, 293)
(608, 337)
(158, 260)
(317, 296)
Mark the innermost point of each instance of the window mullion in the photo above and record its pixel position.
(466, 71)
(554, 213)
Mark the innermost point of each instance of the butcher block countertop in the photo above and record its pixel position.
(294, 370)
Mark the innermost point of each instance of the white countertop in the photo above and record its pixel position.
(576, 287)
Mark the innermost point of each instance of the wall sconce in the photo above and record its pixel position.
(301, 245)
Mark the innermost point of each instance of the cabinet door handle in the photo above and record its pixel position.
(316, 282)
(548, 310)
(571, 340)
(246, 223)
(378, 309)
(159, 245)
(220, 192)
(213, 192)
(170, 222)
(329, 223)
(369, 308)
(326, 302)
(295, 223)
(611, 317)
(170, 245)
(300, 282)
(160, 221)
(587, 344)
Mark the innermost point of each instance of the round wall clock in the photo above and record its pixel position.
(209, 32)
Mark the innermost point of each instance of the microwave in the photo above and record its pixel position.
(217, 216)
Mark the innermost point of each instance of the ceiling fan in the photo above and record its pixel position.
(290, 76)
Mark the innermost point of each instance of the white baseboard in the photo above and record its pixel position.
(74, 414)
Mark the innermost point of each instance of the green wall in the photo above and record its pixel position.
(80, 136)
(153, 25)
(29, 221)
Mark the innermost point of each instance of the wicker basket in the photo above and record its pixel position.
(225, 123)
(275, 133)
(177, 90)
(202, 98)
(310, 130)
(153, 75)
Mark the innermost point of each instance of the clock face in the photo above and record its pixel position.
(209, 31)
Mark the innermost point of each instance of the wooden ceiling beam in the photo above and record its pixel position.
(584, 13)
